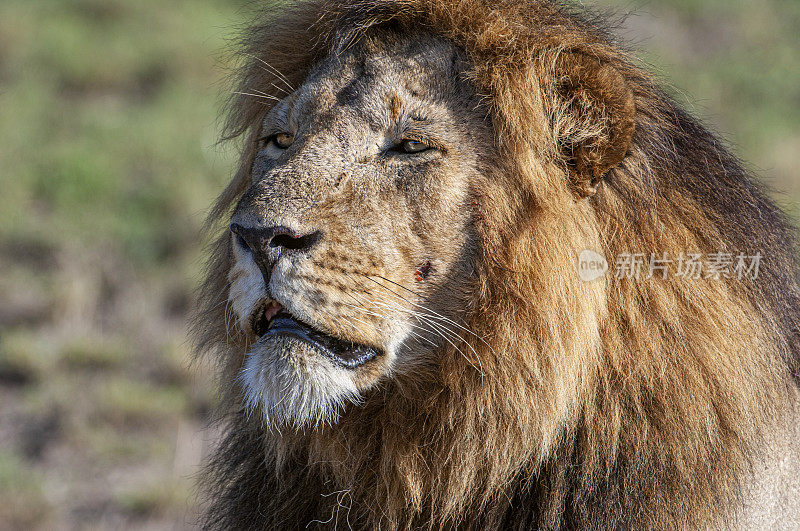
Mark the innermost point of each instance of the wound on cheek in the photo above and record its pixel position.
(423, 271)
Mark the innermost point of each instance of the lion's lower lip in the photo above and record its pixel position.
(345, 353)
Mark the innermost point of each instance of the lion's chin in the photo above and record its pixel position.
(287, 382)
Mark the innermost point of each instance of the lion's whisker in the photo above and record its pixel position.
(258, 96)
(385, 316)
(272, 70)
(440, 328)
(261, 92)
(479, 367)
(432, 314)
(443, 333)
(219, 297)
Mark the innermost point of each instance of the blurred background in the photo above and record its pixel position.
(108, 163)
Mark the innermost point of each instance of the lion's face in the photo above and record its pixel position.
(353, 248)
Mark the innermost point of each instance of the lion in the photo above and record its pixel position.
(404, 335)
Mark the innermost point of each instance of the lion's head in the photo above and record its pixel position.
(394, 297)
(354, 247)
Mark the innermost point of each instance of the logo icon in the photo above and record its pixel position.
(591, 265)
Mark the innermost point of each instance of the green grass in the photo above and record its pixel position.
(108, 162)
(736, 65)
(108, 120)
(158, 498)
(124, 400)
(24, 504)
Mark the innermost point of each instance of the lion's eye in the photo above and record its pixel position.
(279, 140)
(283, 140)
(411, 146)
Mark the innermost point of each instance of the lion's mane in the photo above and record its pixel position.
(610, 404)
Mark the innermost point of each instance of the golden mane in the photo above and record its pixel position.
(621, 403)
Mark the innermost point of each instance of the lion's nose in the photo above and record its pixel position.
(269, 243)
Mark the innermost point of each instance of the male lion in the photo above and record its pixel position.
(405, 338)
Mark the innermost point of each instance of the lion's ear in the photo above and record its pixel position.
(596, 118)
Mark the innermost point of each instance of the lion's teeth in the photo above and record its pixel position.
(271, 310)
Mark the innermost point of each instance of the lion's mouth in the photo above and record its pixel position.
(274, 320)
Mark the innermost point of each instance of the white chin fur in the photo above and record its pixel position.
(291, 385)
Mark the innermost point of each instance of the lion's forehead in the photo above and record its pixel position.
(364, 82)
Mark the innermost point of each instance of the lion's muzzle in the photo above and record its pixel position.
(268, 243)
